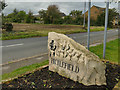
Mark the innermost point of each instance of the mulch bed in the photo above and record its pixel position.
(46, 79)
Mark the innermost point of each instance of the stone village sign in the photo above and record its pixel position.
(72, 60)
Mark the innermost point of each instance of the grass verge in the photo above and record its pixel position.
(111, 50)
(40, 30)
(23, 70)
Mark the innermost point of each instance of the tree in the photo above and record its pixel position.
(29, 17)
(16, 16)
(3, 5)
(75, 13)
(77, 17)
(42, 14)
(3, 19)
(21, 16)
(79, 20)
(12, 17)
(118, 23)
(15, 11)
(7, 26)
(52, 14)
(101, 18)
(68, 20)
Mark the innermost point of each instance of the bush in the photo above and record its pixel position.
(119, 23)
(8, 27)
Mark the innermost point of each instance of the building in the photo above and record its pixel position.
(62, 15)
(95, 11)
(116, 20)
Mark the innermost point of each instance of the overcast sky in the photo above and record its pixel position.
(64, 7)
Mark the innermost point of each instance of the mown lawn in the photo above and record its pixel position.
(23, 70)
(40, 30)
(111, 50)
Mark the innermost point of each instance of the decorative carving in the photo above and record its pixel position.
(64, 50)
(74, 61)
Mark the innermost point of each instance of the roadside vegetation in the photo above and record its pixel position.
(23, 70)
(111, 50)
(20, 24)
(111, 56)
(40, 30)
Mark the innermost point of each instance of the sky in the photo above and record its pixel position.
(36, 5)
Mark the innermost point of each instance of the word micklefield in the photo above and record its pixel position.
(65, 65)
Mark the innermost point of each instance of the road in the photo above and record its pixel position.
(22, 48)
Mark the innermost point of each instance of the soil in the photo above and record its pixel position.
(46, 79)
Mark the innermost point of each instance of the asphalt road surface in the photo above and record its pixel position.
(22, 48)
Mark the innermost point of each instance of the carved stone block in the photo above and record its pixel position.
(72, 60)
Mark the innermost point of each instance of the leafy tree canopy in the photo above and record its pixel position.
(3, 5)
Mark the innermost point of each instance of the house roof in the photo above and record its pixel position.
(62, 14)
(36, 15)
(98, 7)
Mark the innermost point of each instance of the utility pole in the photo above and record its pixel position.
(105, 31)
(88, 40)
(84, 14)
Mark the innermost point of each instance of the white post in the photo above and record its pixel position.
(105, 31)
(88, 41)
(84, 14)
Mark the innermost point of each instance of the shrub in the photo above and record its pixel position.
(8, 27)
(119, 23)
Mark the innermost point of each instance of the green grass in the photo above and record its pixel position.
(111, 50)
(23, 70)
(40, 30)
(18, 35)
(99, 29)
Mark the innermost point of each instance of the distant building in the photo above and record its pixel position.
(62, 15)
(116, 20)
(95, 11)
(37, 21)
(41, 21)
(36, 15)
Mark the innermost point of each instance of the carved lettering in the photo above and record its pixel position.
(77, 69)
(65, 65)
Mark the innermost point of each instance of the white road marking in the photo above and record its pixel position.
(94, 34)
(4, 68)
(39, 58)
(74, 37)
(13, 45)
(95, 44)
(108, 32)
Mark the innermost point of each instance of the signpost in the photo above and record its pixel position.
(84, 14)
(88, 40)
(105, 31)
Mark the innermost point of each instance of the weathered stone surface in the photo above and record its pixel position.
(72, 60)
